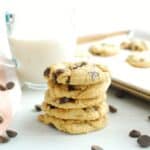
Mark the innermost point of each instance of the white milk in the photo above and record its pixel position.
(41, 38)
(33, 56)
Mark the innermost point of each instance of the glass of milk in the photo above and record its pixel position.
(40, 37)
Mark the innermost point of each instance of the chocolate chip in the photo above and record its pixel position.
(52, 107)
(96, 147)
(112, 109)
(38, 108)
(85, 109)
(71, 88)
(11, 133)
(120, 93)
(56, 74)
(59, 71)
(54, 77)
(149, 118)
(10, 85)
(68, 80)
(66, 100)
(79, 65)
(83, 64)
(144, 141)
(46, 72)
(134, 133)
(2, 88)
(1, 119)
(3, 139)
(51, 125)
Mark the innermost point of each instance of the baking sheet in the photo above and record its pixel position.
(122, 72)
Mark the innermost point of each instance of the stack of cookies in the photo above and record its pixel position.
(75, 101)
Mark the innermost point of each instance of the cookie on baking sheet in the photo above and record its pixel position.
(139, 60)
(135, 45)
(79, 73)
(104, 49)
(79, 91)
(89, 113)
(74, 126)
(70, 103)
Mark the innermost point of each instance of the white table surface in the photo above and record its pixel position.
(132, 114)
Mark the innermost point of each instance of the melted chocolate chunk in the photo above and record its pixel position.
(51, 125)
(46, 72)
(71, 88)
(83, 64)
(85, 109)
(79, 65)
(68, 80)
(66, 100)
(10, 85)
(52, 107)
(59, 71)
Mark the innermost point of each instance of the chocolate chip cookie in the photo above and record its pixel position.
(75, 101)
(104, 49)
(80, 73)
(89, 113)
(74, 126)
(70, 103)
(135, 45)
(79, 91)
(139, 60)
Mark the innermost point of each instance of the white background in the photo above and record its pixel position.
(94, 16)
(90, 16)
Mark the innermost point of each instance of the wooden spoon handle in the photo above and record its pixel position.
(95, 37)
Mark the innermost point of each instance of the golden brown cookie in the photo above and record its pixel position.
(104, 49)
(74, 126)
(70, 103)
(79, 91)
(135, 45)
(139, 60)
(89, 113)
(79, 73)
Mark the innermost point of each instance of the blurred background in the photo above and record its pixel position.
(93, 16)
(90, 16)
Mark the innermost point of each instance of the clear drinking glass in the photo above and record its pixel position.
(39, 37)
